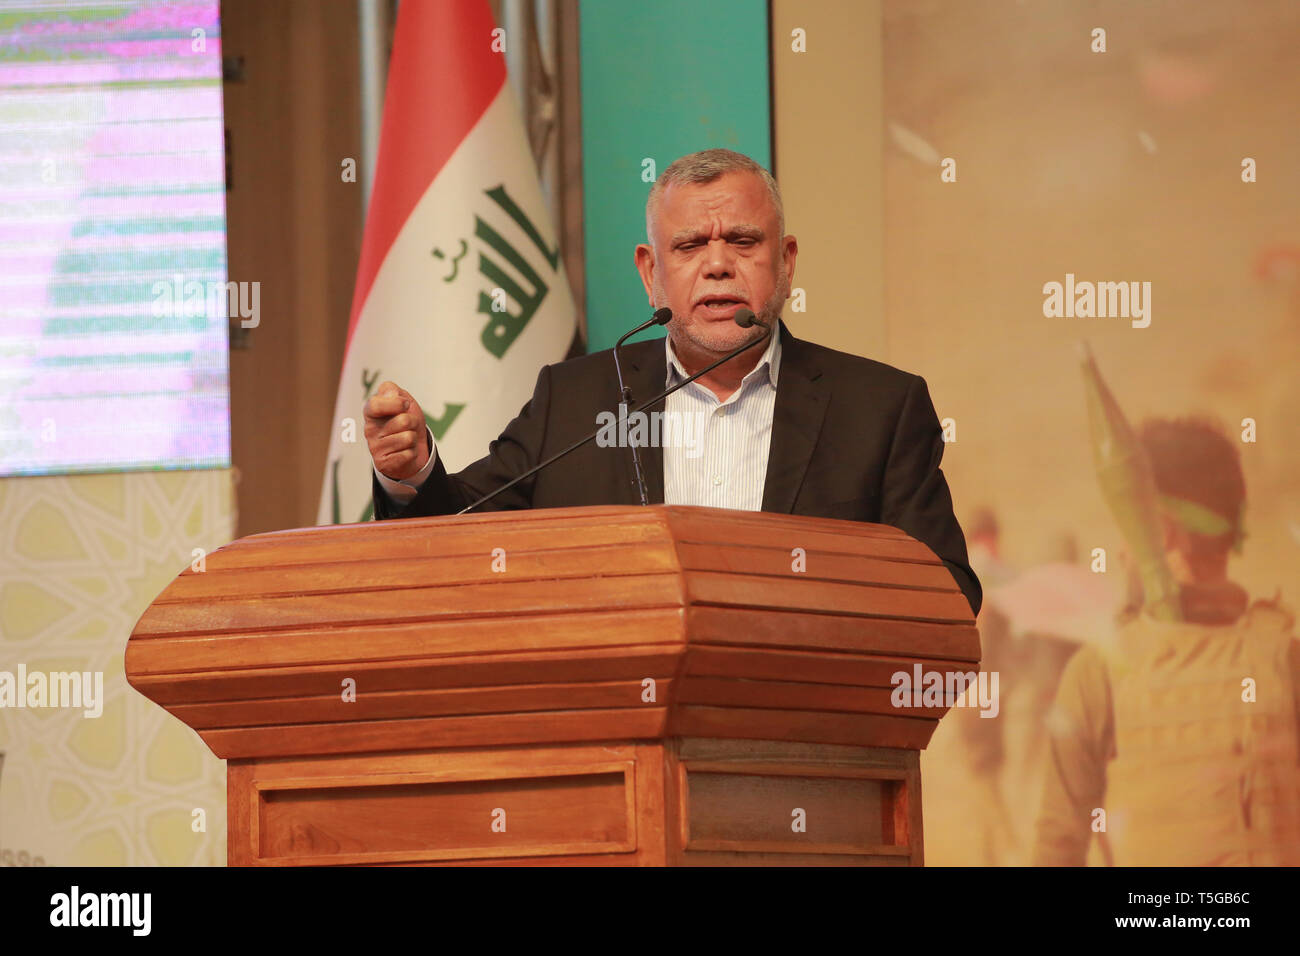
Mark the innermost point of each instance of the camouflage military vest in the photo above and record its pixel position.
(1201, 776)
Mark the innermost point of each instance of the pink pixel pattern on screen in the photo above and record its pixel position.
(114, 322)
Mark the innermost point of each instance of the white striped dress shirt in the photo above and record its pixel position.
(729, 467)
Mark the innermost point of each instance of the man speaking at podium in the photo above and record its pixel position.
(793, 427)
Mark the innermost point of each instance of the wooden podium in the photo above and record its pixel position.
(606, 685)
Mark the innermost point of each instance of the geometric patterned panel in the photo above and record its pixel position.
(81, 557)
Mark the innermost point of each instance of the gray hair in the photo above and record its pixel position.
(704, 167)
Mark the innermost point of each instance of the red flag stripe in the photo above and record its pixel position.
(442, 78)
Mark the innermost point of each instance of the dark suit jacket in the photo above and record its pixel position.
(852, 438)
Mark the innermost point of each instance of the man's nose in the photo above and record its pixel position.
(720, 263)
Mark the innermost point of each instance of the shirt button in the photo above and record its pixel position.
(717, 479)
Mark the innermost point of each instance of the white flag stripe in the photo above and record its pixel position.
(425, 333)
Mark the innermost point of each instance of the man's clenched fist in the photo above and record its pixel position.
(395, 432)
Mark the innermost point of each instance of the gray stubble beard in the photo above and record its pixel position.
(768, 316)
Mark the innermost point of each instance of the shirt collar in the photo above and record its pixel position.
(770, 359)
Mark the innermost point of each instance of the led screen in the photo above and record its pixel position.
(113, 301)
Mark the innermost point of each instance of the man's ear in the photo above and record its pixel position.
(789, 251)
(645, 265)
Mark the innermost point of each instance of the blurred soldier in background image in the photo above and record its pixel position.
(982, 742)
(1032, 622)
(1177, 744)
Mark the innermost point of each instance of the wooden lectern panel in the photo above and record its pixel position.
(691, 801)
(659, 685)
(520, 805)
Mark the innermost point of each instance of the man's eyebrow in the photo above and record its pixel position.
(743, 230)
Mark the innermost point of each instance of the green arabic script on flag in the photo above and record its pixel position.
(503, 327)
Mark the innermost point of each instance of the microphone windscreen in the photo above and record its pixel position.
(745, 318)
(663, 316)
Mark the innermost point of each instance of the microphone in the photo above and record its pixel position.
(661, 317)
(745, 318)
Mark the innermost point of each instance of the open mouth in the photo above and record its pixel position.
(721, 305)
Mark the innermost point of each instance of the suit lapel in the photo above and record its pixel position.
(802, 395)
(645, 370)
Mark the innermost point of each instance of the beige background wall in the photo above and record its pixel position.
(826, 109)
(1115, 166)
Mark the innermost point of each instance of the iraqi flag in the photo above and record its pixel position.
(460, 295)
